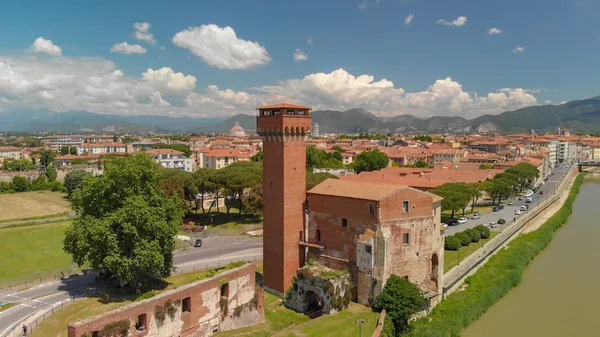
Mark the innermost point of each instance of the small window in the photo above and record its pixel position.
(405, 206)
(406, 277)
(186, 305)
(291, 112)
(368, 249)
(405, 239)
(344, 223)
(371, 209)
(276, 112)
(318, 235)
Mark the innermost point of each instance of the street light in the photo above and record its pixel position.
(360, 323)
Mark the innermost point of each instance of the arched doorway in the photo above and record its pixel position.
(435, 264)
(314, 304)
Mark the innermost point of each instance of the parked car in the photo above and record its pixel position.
(501, 221)
(509, 203)
(520, 198)
(500, 207)
(453, 222)
(524, 208)
(528, 194)
(528, 200)
(492, 225)
(517, 212)
(475, 216)
(496, 209)
(541, 192)
(198, 243)
(462, 220)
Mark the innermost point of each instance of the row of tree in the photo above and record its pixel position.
(458, 196)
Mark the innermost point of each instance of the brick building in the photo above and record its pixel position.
(284, 129)
(375, 230)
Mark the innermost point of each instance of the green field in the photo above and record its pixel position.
(32, 205)
(33, 250)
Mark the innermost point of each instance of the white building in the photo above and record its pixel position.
(237, 130)
(56, 143)
(11, 152)
(315, 132)
(172, 159)
(101, 148)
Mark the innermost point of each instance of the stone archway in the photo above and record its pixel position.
(314, 303)
(435, 265)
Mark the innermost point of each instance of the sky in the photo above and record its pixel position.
(219, 58)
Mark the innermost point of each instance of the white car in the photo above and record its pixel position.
(462, 220)
(509, 203)
(493, 224)
(517, 212)
(475, 216)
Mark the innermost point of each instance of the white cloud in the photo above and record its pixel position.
(547, 102)
(408, 19)
(460, 21)
(299, 55)
(519, 49)
(368, 3)
(142, 32)
(41, 45)
(127, 48)
(494, 31)
(97, 85)
(309, 41)
(220, 47)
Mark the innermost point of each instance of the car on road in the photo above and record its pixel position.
(475, 216)
(453, 222)
(524, 208)
(520, 198)
(198, 243)
(528, 194)
(501, 222)
(492, 225)
(528, 200)
(462, 220)
(509, 203)
(518, 212)
(498, 208)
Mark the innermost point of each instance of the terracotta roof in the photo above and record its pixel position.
(355, 189)
(9, 148)
(283, 106)
(66, 156)
(163, 151)
(221, 153)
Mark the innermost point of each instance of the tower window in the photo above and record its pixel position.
(405, 206)
(405, 239)
(371, 209)
(276, 112)
(344, 223)
(291, 112)
(368, 249)
(318, 235)
(186, 304)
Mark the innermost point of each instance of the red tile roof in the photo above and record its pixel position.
(283, 106)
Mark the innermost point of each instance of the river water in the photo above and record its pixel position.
(559, 295)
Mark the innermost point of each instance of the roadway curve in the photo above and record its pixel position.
(216, 251)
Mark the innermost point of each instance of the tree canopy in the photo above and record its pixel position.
(456, 196)
(314, 179)
(401, 299)
(74, 179)
(371, 160)
(125, 223)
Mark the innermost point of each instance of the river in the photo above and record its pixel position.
(559, 295)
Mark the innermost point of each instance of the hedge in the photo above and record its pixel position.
(452, 243)
(494, 280)
(474, 234)
(464, 238)
(483, 231)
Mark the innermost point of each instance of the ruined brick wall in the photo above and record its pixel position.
(419, 204)
(200, 308)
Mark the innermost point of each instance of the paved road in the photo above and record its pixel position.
(508, 213)
(215, 251)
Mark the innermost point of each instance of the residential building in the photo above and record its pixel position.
(10, 152)
(57, 142)
(172, 159)
(219, 158)
(102, 148)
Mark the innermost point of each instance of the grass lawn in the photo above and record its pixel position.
(6, 306)
(31, 250)
(27, 205)
(451, 256)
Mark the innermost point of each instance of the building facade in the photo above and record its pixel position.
(172, 159)
(284, 129)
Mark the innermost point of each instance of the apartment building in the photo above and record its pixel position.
(102, 148)
(10, 152)
(172, 159)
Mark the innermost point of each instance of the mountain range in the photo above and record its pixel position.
(580, 115)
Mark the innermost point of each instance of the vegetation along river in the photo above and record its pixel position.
(559, 294)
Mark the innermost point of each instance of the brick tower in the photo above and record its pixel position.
(283, 129)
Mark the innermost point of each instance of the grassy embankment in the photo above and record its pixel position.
(494, 280)
(32, 206)
(451, 256)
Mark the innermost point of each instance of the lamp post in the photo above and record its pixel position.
(458, 253)
(360, 323)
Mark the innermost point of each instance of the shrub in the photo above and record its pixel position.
(452, 243)
(401, 299)
(464, 238)
(474, 234)
(115, 329)
(483, 231)
(492, 281)
(20, 184)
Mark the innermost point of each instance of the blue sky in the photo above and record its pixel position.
(423, 68)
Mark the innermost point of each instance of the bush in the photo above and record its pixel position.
(483, 231)
(494, 280)
(20, 184)
(464, 238)
(452, 243)
(474, 234)
(401, 299)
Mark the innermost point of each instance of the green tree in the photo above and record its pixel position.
(452, 243)
(4, 186)
(484, 232)
(496, 188)
(125, 223)
(258, 157)
(465, 239)
(421, 164)
(40, 184)
(486, 166)
(79, 161)
(177, 147)
(204, 186)
(336, 148)
(474, 234)
(253, 200)
(50, 173)
(525, 174)
(401, 299)
(456, 196)
(18, 165)
(20, 184)
(74, 179)
(371, 161)
(64, 150)
(239, 177)
(314, 179)
(475, 190)
(46, 157)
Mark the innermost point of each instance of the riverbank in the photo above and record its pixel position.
(492, 281)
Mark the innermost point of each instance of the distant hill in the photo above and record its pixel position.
(581, 115)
